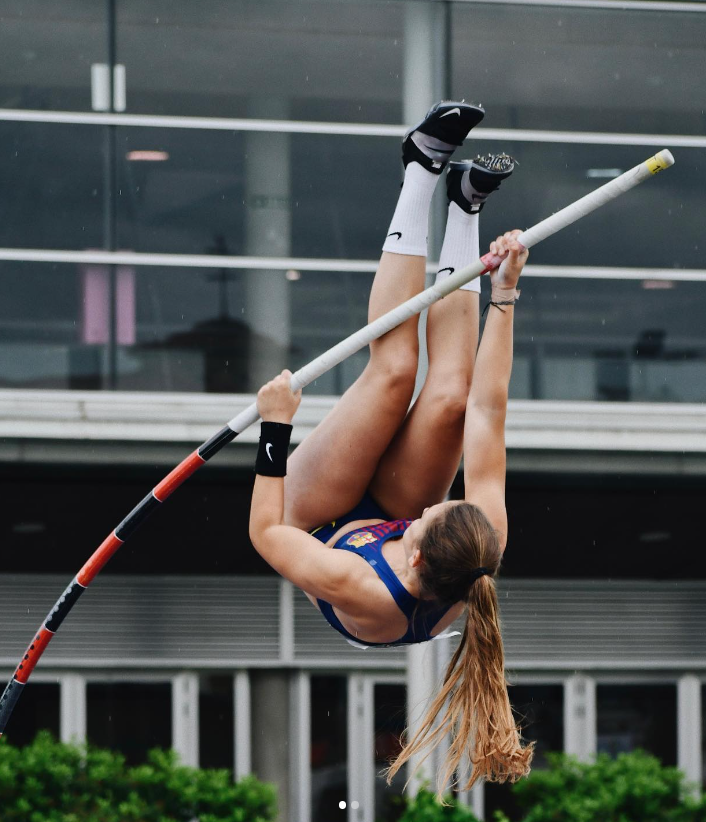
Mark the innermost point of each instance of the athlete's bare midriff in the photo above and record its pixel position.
(367, 626)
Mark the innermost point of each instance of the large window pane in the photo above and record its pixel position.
(655, 225)
(539, 709)
(53, 326)
(130, 717)
(638, 716)
(47, 52)
(37, 710)
(324, 60)
(207, 330)
(216, 722)
(256, 193)
(390, 721)
(52, 190)
(577, 340)
(581, 69)
(329, 758)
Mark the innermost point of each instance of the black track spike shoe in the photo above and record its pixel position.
(469, 183)
(432, 141)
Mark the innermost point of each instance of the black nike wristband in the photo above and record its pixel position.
(272, 452)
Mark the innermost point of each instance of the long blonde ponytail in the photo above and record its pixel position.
(472, 703)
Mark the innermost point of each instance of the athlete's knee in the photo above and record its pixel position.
(447, 400)
(397, 370)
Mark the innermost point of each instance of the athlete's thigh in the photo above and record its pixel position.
(330, 471)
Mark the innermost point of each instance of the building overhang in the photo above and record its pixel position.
(46, 426)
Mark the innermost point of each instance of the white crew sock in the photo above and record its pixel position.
(410, 223)
(460, 247)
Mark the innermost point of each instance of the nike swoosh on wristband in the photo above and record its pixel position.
(450, 270)
(267, 451)
(452, 111)
(398, 233)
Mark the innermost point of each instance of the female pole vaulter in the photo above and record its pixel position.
(359, 522)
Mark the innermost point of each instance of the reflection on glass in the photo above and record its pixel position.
(256, 193)
(655, 225)
(574, 340)
(216, 722)
(129, 717)
(638, 716)
(329, 739)
(581, 69)
(327, 60)
(390, 721)
(37, 710)
(201, 330)
(47, 53)
(54, 326)
(539, 709)
(52, 186)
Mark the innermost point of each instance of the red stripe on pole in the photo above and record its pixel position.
(175, 478)
(98, 559)
(32, 654)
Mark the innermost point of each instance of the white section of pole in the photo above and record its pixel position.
(364, 336)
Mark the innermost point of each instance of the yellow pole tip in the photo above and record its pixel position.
(663, 159)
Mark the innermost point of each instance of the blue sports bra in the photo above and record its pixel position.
(422, 615)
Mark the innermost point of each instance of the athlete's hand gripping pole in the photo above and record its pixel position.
(301, 378)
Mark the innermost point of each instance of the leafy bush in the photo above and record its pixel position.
(49, 781)
(634, 787)
(424, 808)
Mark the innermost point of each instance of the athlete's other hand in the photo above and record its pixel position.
(508, 273)
(276, 401)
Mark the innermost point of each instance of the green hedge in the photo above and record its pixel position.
(633, 787)
(48, 781)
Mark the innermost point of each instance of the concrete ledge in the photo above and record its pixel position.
(99, 426)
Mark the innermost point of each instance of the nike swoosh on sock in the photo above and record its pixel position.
(398, 233)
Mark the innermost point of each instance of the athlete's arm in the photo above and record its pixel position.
(484, 433)
(293, 553)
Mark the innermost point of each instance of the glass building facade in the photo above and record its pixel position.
(194, 196)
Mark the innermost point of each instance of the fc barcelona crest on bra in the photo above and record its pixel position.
(359, 540)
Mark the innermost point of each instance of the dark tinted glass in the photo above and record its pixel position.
(654, 225)
(227, 331)
(323, 60)
(610, 340)
(52, 190)
(329, 751)
(47, 52)
(539, 711)
(581, 69)
(390, 722)
(130, 717)
(638, 716)
(37, 710)
(256, 193)
(53, 326)
(216, 722)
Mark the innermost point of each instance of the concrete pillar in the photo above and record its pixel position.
(425, 666)
(185, 718)
(72, 710)
(689, 753)
(424, 73)
(361, 752)
(268, 233)
(300, 757)
(270, 738)
(242, 732)
(580, 717)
